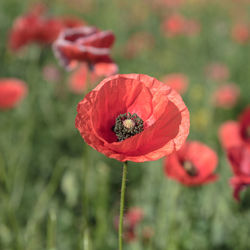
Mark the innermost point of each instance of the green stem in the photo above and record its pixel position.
(124, 176)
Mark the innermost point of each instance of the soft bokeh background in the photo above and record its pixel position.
(58, 193)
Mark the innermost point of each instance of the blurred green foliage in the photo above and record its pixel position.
(58, 193)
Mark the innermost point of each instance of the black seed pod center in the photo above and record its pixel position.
(190, 168)
(127, 125)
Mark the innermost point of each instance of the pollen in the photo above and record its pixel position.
(128, 123)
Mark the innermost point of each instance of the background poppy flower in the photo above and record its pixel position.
(178, 82)
(36, 27)
(226, 96)
(12, 91)
(240, 33)
(193, 165)
(217, 71)
(133, 117)
(84, 44)
(234, 137)
(131, 219)
(239, 158)
(177, 24)
(234, 133)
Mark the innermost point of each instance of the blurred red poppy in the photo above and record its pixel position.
(131, 219)
(105, 69)
(133, 117)
(193, 165)
(235, 138)
(239, 158)
(241, 33)
(179, 25)
(235, 134)
(51, 73)
(35, 27)
(229, 134)
(177, 81)
(81, 79)
(12, 91)
(226, 96)
(245, 126)
(217, 71)
(139, 43)
(83, 44)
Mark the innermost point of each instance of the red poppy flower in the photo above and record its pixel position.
(217, 71)
(235, 138)
(229, 134)
(226, 96)
(178, 82)
(51, 73)
(193, 165)
(179, 25)
(138, 43)
(35, 27)
(133, 117)
(81, 79)
(12, 91)
(105, 69)
(239, 158)
(245, 126)
(235, 134)
(240, 33)
(84, 44)
(131, 219)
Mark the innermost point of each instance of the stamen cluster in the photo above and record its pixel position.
(127, 125)
(190, 168)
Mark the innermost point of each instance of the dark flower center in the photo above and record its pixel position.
(127, 125)
(190, 168)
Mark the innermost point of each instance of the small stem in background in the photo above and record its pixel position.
(124, 176)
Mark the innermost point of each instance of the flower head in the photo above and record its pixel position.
(234, 137)
(133, 117)
(239, 158)
(12, 91)
(36, 27)
(177, 81)
(193, 165)
(226, 96)
(83, 44)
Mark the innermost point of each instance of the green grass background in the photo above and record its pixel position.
(58, 193)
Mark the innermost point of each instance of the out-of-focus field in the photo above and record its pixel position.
(58, 193)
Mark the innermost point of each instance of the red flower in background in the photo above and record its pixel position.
(12, 91)
(133, 117)
(131, 219)
(138, 43)
(83, 44)
(235, 138)
(35, 27)
(82, 78)
(239, 158)
(241, 33)
(193, 165)
(51, 73)
(105, 69)
(226, 96)
(217, 71)
(179, 25)
(177, 81)
(235, 134)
